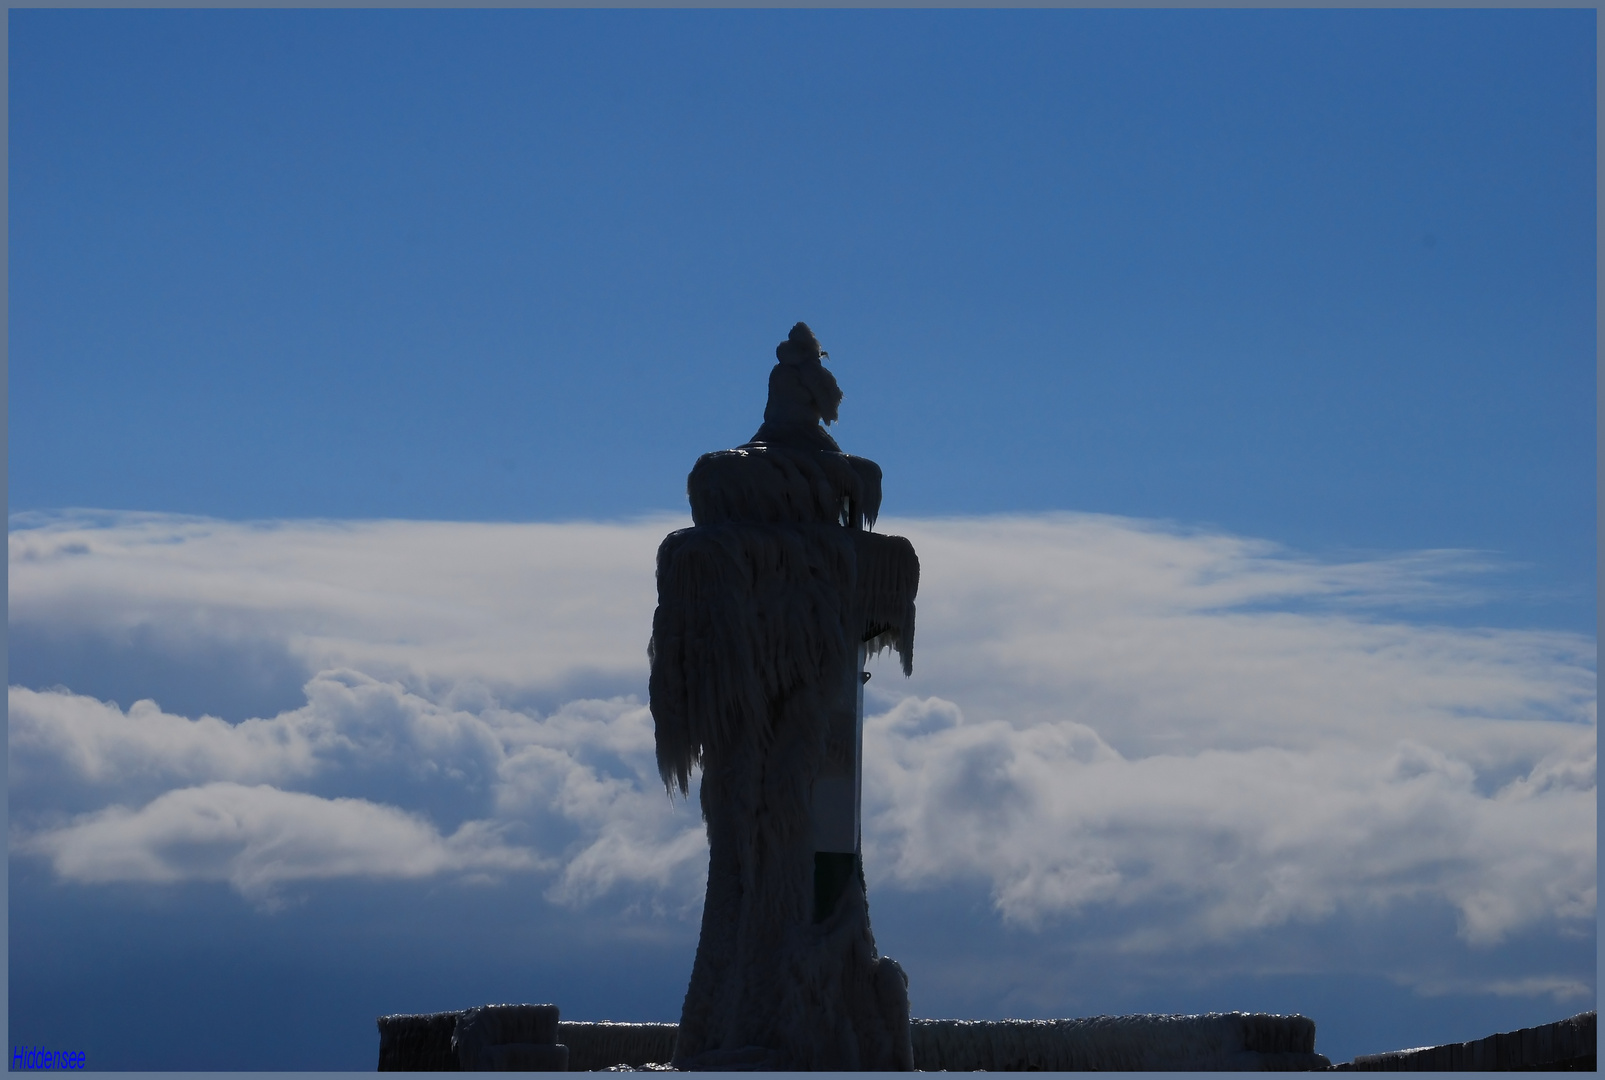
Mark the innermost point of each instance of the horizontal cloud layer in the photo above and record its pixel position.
(514, 605)
(258, 837)
(1212, 734)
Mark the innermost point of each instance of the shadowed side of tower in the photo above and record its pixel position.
(767, 609)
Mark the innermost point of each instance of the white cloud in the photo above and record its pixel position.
(256, 838)
(1161, 642)
(1105, 715)
(1119, 714)
(625, 854)
(583, 779)
(1237, 840)
(517, 605)
(101, 743)
(1561, 989)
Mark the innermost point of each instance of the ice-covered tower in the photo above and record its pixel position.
(767, 610)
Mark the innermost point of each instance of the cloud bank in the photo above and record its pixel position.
(1208, 734)
(575, 791)
(258, 837)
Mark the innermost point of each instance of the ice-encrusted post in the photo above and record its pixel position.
(767, 609)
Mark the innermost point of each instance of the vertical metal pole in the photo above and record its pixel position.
(858, 753)
(837, 798)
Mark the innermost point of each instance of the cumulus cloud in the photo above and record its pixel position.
(1120, 712)
(579, 786)
(101, 743)
(1212, 734)
(1235, 840)
(256, 838)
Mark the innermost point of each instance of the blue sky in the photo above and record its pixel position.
(1266, 337)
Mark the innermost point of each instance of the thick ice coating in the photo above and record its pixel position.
(765, 608)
